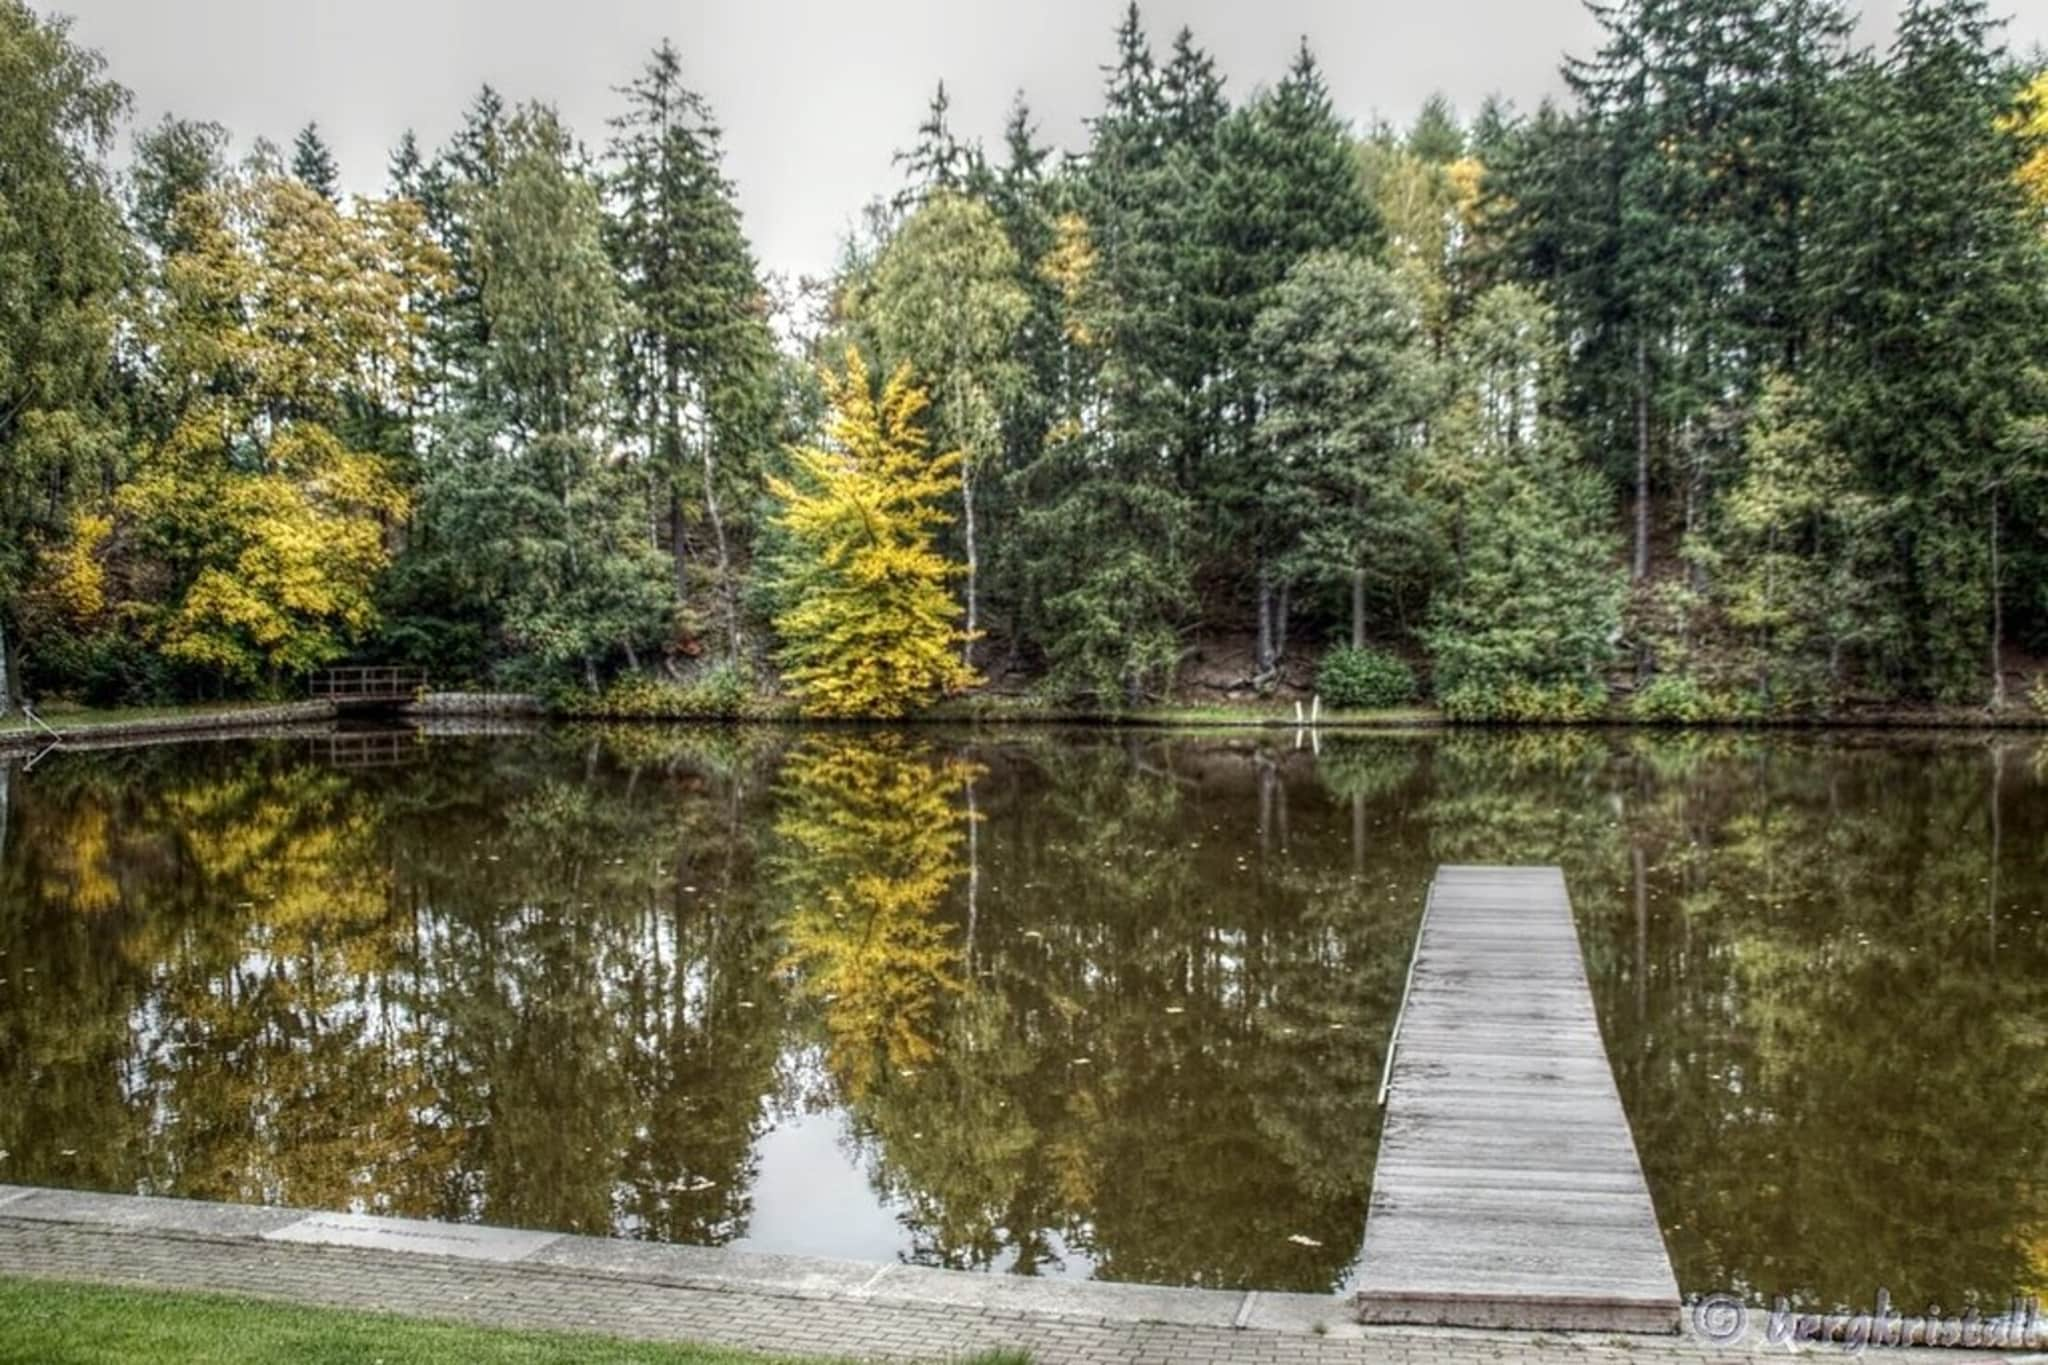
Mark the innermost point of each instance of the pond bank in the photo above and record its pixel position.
(787, 1304)
(95, 727)
(112, 728)
(238, 720)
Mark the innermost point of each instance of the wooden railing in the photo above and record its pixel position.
(369, 684)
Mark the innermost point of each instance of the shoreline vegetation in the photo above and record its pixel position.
(1653, 404)
(72, 726)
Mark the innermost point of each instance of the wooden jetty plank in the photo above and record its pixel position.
(1508, 1192)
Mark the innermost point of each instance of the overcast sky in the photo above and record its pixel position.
(814, 96)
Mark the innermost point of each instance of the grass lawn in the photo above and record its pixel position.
(73, 1324)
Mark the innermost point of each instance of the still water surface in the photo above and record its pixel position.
(1079, 1003)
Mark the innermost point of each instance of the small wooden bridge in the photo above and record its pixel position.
(1507, 1192)
(371, 686)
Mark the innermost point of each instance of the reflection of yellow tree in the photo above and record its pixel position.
(243, 914)
(870, 836)
(290, 1083)
(298, 846)
(82, 874)
(1138, 1077)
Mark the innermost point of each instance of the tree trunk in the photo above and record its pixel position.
(1640, 569)
(1695, 496)
(1358, 608)
(725, 587)
(1280, 626)
(6, 676)
(678, 540)
(1997, 616)
(1264, 659)
(973, 563)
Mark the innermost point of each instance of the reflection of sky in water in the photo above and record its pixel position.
(812, 1197)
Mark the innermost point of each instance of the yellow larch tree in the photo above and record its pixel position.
(870, 629)
(2028, 124)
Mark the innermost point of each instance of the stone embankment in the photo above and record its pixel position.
(227, 721)
(475, 704)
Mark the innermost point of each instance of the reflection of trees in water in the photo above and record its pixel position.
(445, 992)
(542, 981)
(1157, 1058)
(1848, 1089)
(869, 835)
(1834, 1079)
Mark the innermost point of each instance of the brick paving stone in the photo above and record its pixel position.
(550, 1296)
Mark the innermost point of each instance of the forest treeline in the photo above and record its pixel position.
(1717, 385)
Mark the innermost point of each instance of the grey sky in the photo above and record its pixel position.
(814, 96)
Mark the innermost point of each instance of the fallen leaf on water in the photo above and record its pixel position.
(1302, 1241)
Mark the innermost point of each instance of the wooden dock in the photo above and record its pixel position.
(1508, 1192)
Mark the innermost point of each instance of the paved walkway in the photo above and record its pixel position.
(792, 1305)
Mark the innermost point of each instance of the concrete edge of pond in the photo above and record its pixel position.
(232, 723)
(688, 1267)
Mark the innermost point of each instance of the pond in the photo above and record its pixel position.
(1088, 1003)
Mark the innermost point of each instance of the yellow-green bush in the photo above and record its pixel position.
(1528, 702)
(721, 693)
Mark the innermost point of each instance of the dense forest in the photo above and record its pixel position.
(1718, 388)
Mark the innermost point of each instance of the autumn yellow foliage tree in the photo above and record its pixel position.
(261, 529)
(870, 629)
(2028, 124)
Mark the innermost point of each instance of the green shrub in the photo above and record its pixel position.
(720, 693)
(101, 669)
(1672, 699)
(1561, 703)
(1364, 679)
(1678, 699)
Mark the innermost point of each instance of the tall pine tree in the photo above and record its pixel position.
(697, 363)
